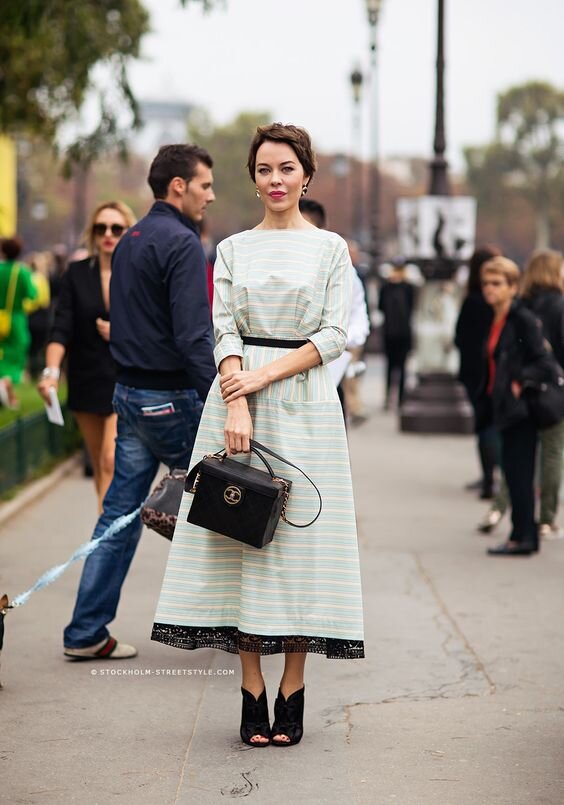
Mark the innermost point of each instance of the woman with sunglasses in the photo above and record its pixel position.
(81, 331)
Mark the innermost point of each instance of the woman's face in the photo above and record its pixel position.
(279, 176)
(496, 290)
(108, 228)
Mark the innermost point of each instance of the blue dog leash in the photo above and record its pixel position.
(81, 553)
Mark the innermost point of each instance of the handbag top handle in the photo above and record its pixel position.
(256, 448)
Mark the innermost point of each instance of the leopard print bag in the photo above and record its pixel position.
(160, 510)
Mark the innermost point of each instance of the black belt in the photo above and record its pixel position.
(281, 343)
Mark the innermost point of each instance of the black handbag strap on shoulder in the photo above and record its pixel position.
(257, 447)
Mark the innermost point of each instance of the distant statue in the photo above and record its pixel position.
(437, 242)
(435, 325)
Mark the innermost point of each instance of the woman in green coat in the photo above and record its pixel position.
(16, 286)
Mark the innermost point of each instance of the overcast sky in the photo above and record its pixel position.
(294, 58)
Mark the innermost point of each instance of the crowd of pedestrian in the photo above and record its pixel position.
(510, 334)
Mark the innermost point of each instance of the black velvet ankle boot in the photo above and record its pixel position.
(289, 718)
(254, 718)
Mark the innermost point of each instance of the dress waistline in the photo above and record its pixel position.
(281, 343)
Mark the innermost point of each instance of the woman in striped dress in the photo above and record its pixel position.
(282, 281)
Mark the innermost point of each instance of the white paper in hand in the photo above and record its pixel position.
(53, 409)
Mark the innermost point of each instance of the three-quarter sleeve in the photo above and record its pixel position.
(63, 323)
(331, 338)
(227, 339)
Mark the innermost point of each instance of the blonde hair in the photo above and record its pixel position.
(502, 267)
(128, 216)
(544, 270)
(41, 262)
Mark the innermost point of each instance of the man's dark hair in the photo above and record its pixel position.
(314, 210)
(11, 248)
(172, 161)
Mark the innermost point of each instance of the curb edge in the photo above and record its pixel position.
(37, 489)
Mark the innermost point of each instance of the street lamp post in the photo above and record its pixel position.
(438, 403)
(373, 7)
(439, 185)
(341, 172)
(357, 194)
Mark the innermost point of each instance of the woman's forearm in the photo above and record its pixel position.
(237, 384)
(230, 364)
(227, 366)
(54, 354)
(296, 361)
(238, 429)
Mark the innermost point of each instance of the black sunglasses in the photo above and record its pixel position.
(117, 230)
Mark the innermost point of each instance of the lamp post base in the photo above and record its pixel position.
(438, 404)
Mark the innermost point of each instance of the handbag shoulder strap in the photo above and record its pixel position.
(11, 292)
(259, 446)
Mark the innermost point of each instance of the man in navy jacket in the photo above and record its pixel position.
(162, 343)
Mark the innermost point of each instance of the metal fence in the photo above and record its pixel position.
(30, 444)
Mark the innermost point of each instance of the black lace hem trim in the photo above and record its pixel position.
(229, 638)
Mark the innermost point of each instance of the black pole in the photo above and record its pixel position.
(374, 202)
(356, 173)
(439, 185)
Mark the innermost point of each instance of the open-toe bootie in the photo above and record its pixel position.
(254, 718)
(289, 718)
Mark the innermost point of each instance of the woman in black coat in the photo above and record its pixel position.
(81, 331)
(542, 293)
(516, 358)
(472, 330)
(396, 302)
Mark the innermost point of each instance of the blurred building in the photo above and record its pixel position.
(164, 122)
(8, 197)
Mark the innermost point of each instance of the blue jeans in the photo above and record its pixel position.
(144, 440)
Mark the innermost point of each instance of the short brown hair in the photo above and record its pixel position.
(502, 267)
(544, 270)
(297, 138)
(127, 213)
(175, 160)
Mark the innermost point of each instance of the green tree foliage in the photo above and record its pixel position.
(236, 207)
(47, 54)
(525, 160)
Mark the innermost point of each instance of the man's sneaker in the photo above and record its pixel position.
(108, 649)
(550, 531)
(490, 521)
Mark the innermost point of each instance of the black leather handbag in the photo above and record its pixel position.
(240, 501)
(545, 401)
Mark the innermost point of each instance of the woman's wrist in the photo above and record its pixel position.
(240, 402)
(269, 375)
(51, 372)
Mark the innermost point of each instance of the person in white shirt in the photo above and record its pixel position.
(346, 369)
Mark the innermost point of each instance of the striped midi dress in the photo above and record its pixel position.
(300, 593)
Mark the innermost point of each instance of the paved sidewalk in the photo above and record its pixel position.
(459, 702)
